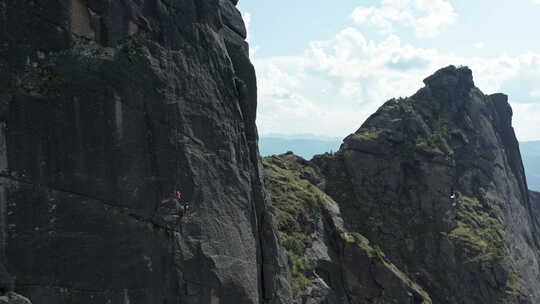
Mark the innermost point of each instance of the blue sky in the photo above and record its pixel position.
(324, 66)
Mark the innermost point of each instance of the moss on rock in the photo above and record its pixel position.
(480, 235)
(300, 206)
(481, 241)
(297, 203)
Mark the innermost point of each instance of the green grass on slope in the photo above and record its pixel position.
(297, 203)
(482, 241)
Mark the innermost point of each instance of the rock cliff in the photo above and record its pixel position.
(437, 180)
(435, 184)
(130, 173)
(328, 263)
(108, 108)
(535, 203)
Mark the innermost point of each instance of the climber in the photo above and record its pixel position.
(183, 206)
(453, 197)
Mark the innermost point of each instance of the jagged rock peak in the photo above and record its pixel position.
(451, 78)
(442, 169)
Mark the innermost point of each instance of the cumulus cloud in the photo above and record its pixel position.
(535, 93)
(426, 17)
(247, 20)
(479, 45)
(526, 121)
(358, 74)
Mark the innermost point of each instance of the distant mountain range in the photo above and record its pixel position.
(530, 151)
(308, 145)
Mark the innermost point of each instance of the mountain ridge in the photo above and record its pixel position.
(309, 146)
(130, 173)
(436, 182)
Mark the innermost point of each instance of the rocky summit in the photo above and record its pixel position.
(433, 186)
(130, 174)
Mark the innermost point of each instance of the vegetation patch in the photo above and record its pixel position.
(367, 134)
(298, 267)
(374, 252)
(480, 235)
(298, 206)
(481, 238)
(437, 139)
(296, 199)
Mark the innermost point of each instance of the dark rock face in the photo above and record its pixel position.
(436, 180)
(535, 203)
(106, 109)
(329, 264)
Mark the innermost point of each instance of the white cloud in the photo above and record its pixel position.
(479, 45)
(526, 121)
(437, 14)
(426, 17)
(358, 75)
(247, 20)
(361, 14)
(535, 93)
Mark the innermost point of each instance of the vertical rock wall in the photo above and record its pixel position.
(107, 108)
